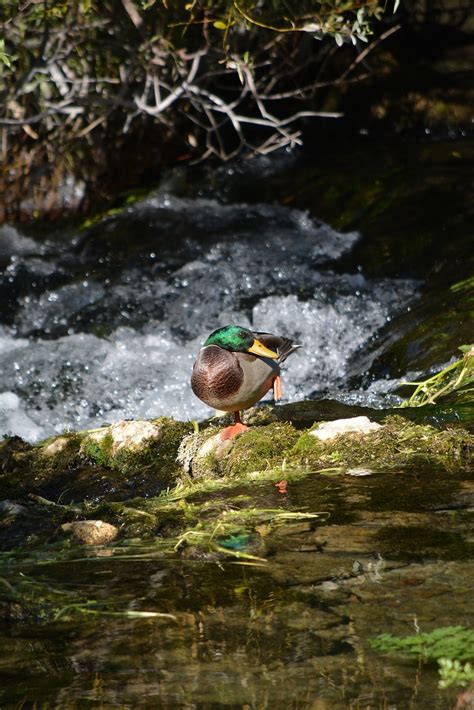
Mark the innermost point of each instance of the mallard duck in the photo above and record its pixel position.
(235, 368)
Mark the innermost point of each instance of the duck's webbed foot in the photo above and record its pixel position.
(230, 432)
(236, 429)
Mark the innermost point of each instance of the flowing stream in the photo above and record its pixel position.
(104, 323)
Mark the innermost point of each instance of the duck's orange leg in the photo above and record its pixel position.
(231, 432)
(277, 391)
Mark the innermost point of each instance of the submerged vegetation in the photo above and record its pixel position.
(446, 642)
(449, 646)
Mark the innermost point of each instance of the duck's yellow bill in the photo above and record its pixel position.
(258, 348)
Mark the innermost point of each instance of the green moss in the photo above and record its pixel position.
(160, 455)
(307, 444)
(75, 467)
(84, 466)
(64, 459)
(398, 443)
(100, 451)
(157, 454)
(280, 446)
(260, 448)
(27, 468)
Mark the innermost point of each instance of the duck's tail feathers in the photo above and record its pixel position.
(286, 348)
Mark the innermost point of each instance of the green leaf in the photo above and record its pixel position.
(219, 25)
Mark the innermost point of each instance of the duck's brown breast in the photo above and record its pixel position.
(217, 375)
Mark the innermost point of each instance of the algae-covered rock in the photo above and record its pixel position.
(26, 468)
(256, 449)
(113, 462)
(429, 333)
(356, 445)
(129, 436)
(129, 446)
(199, 453)
(91, 532)
(97, 473)
(398, 443)
(144, 457)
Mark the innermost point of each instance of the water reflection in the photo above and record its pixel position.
(291, 631)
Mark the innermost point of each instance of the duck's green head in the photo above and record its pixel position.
(239, 340)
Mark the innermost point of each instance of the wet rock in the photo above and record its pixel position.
(56, 446)
(145, 457)
(255, 450)
(111, 462)
(199, 453)
(10, 509)
(91, 532)
(354, 425)
(130, 435)
(465, 700)
(359, 471)
(145, 447)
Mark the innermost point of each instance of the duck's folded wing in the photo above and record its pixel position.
(283, 346)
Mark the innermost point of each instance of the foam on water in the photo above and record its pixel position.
(261, 266)
(13, 243)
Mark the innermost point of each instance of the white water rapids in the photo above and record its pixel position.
(105, 324)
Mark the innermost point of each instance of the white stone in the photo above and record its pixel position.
(358, 471)
(354, 425)
(125, 435)
(132, 434)
(56, 446)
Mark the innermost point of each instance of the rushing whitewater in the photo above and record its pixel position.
(105, 324)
